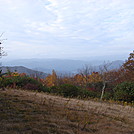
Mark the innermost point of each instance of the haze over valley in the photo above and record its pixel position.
(60, 65)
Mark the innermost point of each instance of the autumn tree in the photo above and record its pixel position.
(52, 79)
(94, 77)
(125, 73)
(84, 74)
(78, 80)
(128, 67)
(129, 64)
(67, 80)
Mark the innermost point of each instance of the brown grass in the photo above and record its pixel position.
(26, 112)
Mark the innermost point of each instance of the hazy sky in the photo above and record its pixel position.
(67, 28)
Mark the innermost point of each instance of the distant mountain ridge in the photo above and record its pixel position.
(21, 69)
(59, 65)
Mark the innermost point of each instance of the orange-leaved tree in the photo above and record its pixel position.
(128, 68)
(51, 80)
(129, 64)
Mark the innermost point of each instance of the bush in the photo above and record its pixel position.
(108, 95)
(69, 90)
(124, 92)
(24, 82)
(6, 82)
(66, 90)
(84, 93)
(96, 86)
(54, 89)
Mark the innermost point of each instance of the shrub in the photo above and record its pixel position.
(6, 82)
(66, 90)
(54, 89)
(84, 93)
(69, 90)
(96, 86)
(108, 95)
(31, 86)
(124, 92)
(1, 82)
(24, 82)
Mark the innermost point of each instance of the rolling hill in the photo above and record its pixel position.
(21, 69)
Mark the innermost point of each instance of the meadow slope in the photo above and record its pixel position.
(27, 112)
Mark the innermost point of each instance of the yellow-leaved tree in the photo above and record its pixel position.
(51, 80)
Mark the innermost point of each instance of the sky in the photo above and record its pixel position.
(70, 29)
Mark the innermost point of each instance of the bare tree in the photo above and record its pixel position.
(85, 72)
(2, 52)
(105, 79)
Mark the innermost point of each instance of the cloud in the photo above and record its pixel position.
(68, 27)
(90, 19)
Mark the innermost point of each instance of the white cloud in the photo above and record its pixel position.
(61, 24)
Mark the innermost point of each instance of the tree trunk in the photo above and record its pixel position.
(103, 90)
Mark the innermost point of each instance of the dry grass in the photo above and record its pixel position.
(25, 112)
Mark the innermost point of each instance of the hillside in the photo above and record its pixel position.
(27, 112)
(21, 69)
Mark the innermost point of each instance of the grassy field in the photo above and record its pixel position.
(27, 112)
